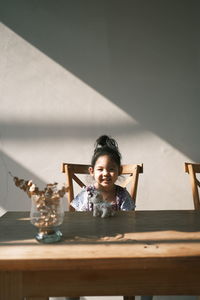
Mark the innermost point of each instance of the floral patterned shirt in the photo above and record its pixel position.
(123, 199)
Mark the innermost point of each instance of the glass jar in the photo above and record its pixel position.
(47, 214)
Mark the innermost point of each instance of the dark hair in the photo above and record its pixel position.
(106, 145)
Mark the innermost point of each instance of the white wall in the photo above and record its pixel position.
(73, 70)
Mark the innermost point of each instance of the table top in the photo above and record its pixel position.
(130, 239)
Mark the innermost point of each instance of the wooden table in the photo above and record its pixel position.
(132, 253)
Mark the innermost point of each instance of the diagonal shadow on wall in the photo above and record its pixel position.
(141, 55)
(12, 198)
(16, 130)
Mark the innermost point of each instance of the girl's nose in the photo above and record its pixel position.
(105, 172)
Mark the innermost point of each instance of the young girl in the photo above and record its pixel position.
(105, 169)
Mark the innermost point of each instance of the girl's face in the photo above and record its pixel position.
(105, 172)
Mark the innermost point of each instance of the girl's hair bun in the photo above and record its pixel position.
(106, 141)
(106, 145)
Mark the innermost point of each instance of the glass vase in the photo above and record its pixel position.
(47, 215)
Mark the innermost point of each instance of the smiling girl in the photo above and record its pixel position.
(105, 169)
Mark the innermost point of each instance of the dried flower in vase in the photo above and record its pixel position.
(50, 191)
(46, 209)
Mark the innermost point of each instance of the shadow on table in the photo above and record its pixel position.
(125, 227)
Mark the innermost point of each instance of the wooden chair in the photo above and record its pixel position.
(71, 171)
(192, 169)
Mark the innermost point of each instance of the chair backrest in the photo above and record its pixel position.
(192, 169)
(71, 171)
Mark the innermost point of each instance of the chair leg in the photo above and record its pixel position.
(129, 297)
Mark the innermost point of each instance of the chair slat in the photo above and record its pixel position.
(76, 168)
(78, 180)
(129, 169)
(196, 167)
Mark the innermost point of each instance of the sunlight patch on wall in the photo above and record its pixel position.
(35, 89)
